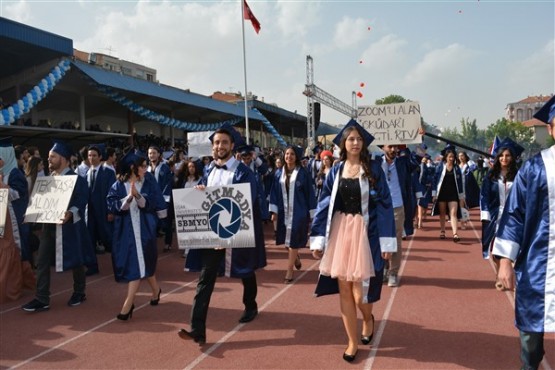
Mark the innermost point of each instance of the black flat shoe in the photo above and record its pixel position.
(349, 358)
(154, 302)
(366, 339)
(126, 316)
(248, 316)
(189, 335)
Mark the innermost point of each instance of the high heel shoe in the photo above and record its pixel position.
(125, 316)
(349, 358)
(366, 339)
(298, 263)
(154, 302)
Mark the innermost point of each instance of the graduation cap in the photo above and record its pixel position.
(547, 112)
(100, 148)
(450, 147)
(515, 148)
(366, 136)
(235, 135)
(61, 148)
(316, 149)
(246, 149)
(167, 154)
(127, 160)
(6, 142)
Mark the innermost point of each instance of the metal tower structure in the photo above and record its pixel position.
(314, 93)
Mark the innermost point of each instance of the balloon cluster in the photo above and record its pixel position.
(35, 95)
(271, 129)
(160, 118)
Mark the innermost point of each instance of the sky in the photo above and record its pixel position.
(458, 59)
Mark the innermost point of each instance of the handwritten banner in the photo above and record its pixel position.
(4, 193)
(392, 123)
(216, 217)
(50, 199)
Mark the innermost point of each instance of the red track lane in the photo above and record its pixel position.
(446, 314)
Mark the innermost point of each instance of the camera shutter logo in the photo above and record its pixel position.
(225, 218)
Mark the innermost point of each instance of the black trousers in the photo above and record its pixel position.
(45, 257)
(211, 262)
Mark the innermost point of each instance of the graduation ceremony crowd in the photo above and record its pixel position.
(331, 201)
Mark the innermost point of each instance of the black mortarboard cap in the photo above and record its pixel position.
(236, 136)
(62, 149)
(515, 148)
(366, 136)
(6, 142)
(547, 112)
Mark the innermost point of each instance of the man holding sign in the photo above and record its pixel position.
(68, 240)
(239, 262)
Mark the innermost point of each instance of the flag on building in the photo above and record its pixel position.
(248, 15)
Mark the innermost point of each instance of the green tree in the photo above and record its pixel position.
(391, 99)
(515, 130)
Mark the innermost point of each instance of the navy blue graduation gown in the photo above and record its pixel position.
(134, 249)
(526, 236)
(293, 212)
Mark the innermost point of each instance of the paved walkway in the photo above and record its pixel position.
(446, 314)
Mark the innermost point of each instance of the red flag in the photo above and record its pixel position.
(248, 15)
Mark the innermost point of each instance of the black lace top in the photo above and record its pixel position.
(349, 191)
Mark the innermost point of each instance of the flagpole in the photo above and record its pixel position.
(245, 71)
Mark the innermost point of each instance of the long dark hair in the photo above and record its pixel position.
(297, 157)
(364, 155)
(495, 172)
(32, 169)
(183, 173)
(125, 172)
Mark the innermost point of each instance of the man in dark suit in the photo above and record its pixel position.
(242, 261)
(69, 242)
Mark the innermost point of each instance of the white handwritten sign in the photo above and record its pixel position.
(4, 193)
(50, 199)
(392, 123)
(216, 217)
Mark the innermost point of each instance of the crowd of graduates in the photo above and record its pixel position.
(122, 202)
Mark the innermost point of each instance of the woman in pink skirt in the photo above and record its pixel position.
(355, 199)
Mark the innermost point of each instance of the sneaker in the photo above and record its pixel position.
(35, 306)
(385, 275)
(392, 281)
(76, 299)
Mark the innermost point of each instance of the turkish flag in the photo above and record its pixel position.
(248, 15)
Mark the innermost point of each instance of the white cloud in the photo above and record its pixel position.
(17, 11)
(440, 64)
(535, 70)
(385, 55)
(294, 19)
(191, 45)
(350, 32)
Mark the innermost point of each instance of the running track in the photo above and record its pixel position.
(446, 314)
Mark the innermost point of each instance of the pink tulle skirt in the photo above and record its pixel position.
(347, 256)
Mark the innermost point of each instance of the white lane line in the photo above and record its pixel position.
(237, 328)
(383, 321)
(70, 340)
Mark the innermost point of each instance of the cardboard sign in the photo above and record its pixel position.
(199, 144)
(4, 193)
(392, 124)
(50, 199)
(216, 217)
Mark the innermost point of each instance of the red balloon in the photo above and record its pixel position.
(362, 84)
(359, 94)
